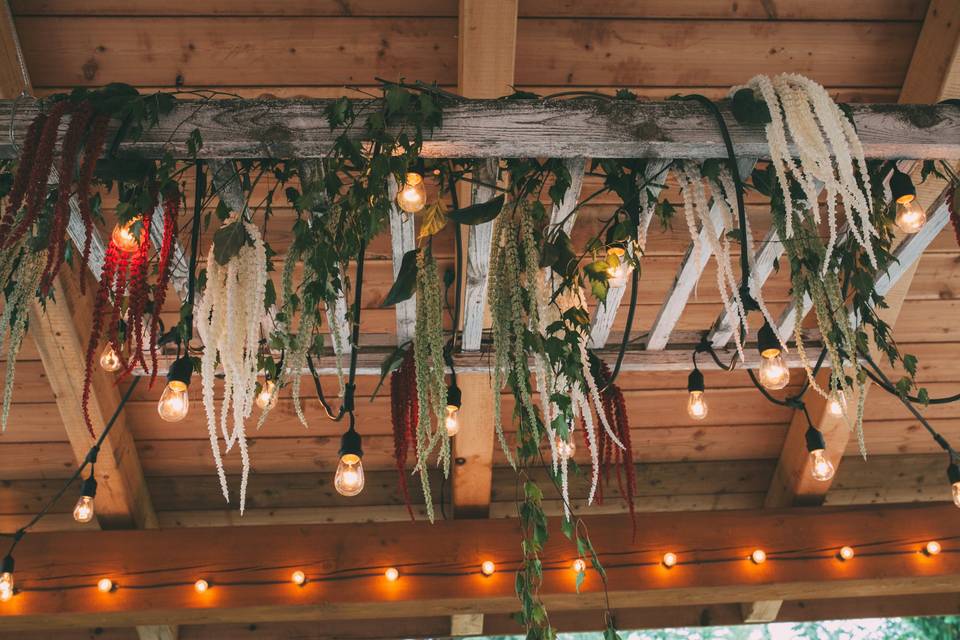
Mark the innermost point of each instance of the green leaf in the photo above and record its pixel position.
(478, 213)
(910, 364)
(406, 282)
(390, 364)
(580, 577)
(228, 240)
(434, 220)
(748, 109)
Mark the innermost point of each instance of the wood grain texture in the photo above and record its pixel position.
(934, 72)
(403, 239)
(479, 243)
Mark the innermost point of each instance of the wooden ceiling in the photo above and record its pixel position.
(860, 51)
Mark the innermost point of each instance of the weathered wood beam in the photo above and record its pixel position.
(479, 239)
(518, 128)
(249, 567)
(403, 238)
(694, 262)
(606, 313)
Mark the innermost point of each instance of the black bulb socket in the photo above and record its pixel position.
(767, 343)
(89, 487)
(454, 397)
(695, 381)
(181, 370)
(815, 439)
(902, 187)
(953, 473)
(351, 443)
(7, 564)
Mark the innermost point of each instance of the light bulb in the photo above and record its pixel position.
(109, 361)
(299, 578)
(105, 585)
(487, 568)
(267, 398)
(697, 405)
(391, 574)
(83, 511)
(759, 556)
(6, 586)
(124, 238)
(566, 448)
(932, 548)
(846, 553)
(669, 559)
(579, 565)
(910, 216)
(956, 493)
(349, 478)
(836, 403)
(201, 585)
(773, 373)
(413, 196)
(174, 403)
(619, 268)
(452, 422)
(821, 468)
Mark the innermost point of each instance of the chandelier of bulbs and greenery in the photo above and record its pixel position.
(260, 338)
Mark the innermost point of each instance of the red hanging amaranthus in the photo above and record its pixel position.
(611, 455)
(171, 209)
(404, 410)
(91, 151)
(22, 177)
(952, 207)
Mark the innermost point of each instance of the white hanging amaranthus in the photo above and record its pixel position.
(16, 311)
(229, 315)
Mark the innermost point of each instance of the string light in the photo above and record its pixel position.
(669, 559)
(452, 421)
(618, 267)
(201, 585)
(932, 548)
(124, 237)
(696, 403)
(846, 553)
(566, 448)
(174, 402)
(267, 398)
(83, 512)
(391, 574)
(348, 479)
(953, 474)
(820, 467)
(837, 402)
(412, 197)
(6, 578)
(487, 567)
(109, 361)
(105, 585)
(774, 374)
(759, 556)
(910, 216)
(299, 578)
(579, 565)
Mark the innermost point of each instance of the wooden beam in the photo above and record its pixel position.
(606, 313)
(403, 239)
(479, 239)
(519, 128)
(13, 70)
(691, 269)
(934, 72)
(249, 567)
(487, 45)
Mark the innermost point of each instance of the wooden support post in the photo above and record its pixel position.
(403, 238)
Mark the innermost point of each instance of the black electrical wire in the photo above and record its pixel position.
(200, 190)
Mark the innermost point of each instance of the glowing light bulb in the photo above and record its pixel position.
(821, 468)
(268, 396)
(846, 553)
(910, 216)
(391, 574)
(452, 422)
(566, 448)
(201, 585)
(174, 402)
(669, 559)
(956, 493)
(6, 586)
(487, 568)
(105, 585)
(837, 403)
(697, 405)
(759, 556)
(932, 548)
(774, 374)
(349, 477)
(124, 237)
(579, 565)
(109, 361)
(619, 268)
(413, 196)
(299, 578)
(83, 511)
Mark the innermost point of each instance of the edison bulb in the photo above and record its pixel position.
(579, 565)
(105, 585)
(836, 403)
(391, 574)
(452, 422)
(487, 568)
(174, 403)
(124, 238)
(83, 511)
(619, 269)
(413, 196)
(6, 586)
(759, 556)
(956, 493)
(298, 577)
(933, 548)
(109, 361)
(910, 216)
(821, 468)
(774, 374)
(846, 553)
(201, 585)
(267, 398)
(566, 448)
(697, 405)
(669, 559)
(349, 477)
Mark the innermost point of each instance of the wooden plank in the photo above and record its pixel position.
(760, 611)
(558, 129)
(403, 239)
(606, 314)
(694, 262)
(466, 624)
(486, 43)
(13, 75)
(430, 557)
(934, 72)
(479, 239)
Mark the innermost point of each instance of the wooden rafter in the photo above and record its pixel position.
(403, 239)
